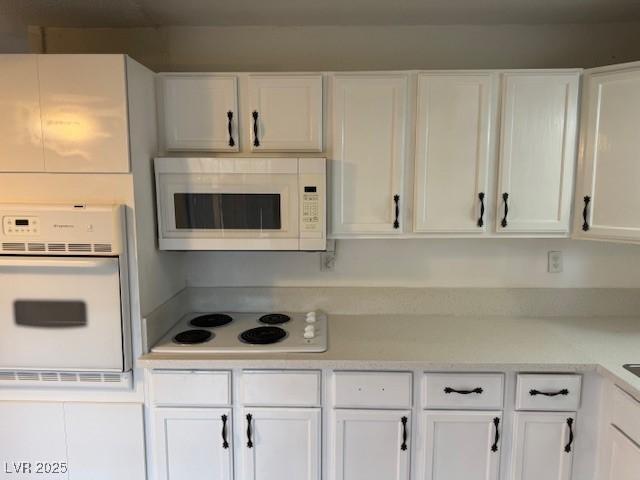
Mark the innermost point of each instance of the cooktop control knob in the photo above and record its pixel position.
(311, 317)
(309, 334)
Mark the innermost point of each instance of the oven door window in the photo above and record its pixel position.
(50, 314)
(227, 211)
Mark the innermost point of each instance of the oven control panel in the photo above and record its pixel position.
(12, 226)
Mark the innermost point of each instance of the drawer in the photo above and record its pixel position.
(372, 390)
(201, 388)
(626, 414)
(552, 392)
(281, 388)
(463, 391)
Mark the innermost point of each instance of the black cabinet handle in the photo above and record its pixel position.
(505, 198)
(230, 128)
(535, 392)
(567, 447)
(249, 442)
(496, 423)
(585, 225)
(477, 390)
(256, 142)
(396, 201)
(481, 219)
(404, 420)
(225, 444)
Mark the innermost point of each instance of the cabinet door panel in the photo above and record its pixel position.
(285, 444)
(539, 448)
(624, 457)
(289, 109)
(610, 168)
(537, 151)
(84, 113)
(188, 444)
(369, 127)
(20, 127)
(196, 109)
(452, 151)
(99, 432)
(368, 444)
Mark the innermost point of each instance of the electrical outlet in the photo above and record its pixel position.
(554, 264)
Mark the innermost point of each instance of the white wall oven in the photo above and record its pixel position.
(63, 289)
(241, 203)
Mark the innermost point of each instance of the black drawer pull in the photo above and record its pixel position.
(225, 444)
(256, 142)
(396, 201)
(481, 219)
(496, 424)
(567, 447)
(232, 142)
(505, 199)
(404, 420)
(249, 442)
(585, 210)
(477, 390)
(535, 392)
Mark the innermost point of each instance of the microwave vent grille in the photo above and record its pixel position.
(79, 247)
(56, 247)
(102, 248)
(14, 247)
(36, 247)
(102, 380)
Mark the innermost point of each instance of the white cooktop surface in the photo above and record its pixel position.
(226, 338)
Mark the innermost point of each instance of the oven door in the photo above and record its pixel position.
(60, 313)
(228, 211)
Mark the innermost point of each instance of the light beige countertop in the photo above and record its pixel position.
(462, 343)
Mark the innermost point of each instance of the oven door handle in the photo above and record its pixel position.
(54, 263)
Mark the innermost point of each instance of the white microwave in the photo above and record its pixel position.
(241, 203)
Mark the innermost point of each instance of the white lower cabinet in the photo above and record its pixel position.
(460, 445)
(280, 443)
(371, 444)
(543, 445)
(193, 443)
(624, 456)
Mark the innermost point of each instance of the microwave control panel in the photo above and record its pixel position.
(311, 209)
(12, 226)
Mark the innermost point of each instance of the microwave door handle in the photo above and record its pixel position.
(47, 262)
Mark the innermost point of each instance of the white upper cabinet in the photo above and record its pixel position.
(607, 196)
(369, 116)
(199, 112)
(537, 152)
(452, 151)
(285, 112)
(20, 126)
(83, 100)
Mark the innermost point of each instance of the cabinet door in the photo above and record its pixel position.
(20, 126)
(460, 445)
(31, 433)
(537, 152)
(200, 112)
(281, 443)
(189, 443)
(543, 446)
(99, 432)
(286, 112)
(624, 457)
(452, 152)
(369, 128)
(609, 166)
(371, 444)
(84, 113)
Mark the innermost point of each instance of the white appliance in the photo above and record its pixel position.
(241, 203)
(63, 289)
(246, 333)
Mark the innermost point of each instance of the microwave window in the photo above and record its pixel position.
(227, 211)
(50, 313)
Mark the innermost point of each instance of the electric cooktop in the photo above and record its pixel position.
(230, 332)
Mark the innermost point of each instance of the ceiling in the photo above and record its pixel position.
(147, 13)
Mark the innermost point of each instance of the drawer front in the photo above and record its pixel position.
(463, 391)
(281, 388)
(626, 414)
(201, 388)
(372, 389)
(551, 392)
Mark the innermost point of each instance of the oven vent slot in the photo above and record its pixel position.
(49, 377)
(7, 376)
(56, 247)
(28, 376)
(90, 377)
(102, 248)
(79, 247)
(36, 247)
(68, 377)
(14, 247)
(101, 380)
